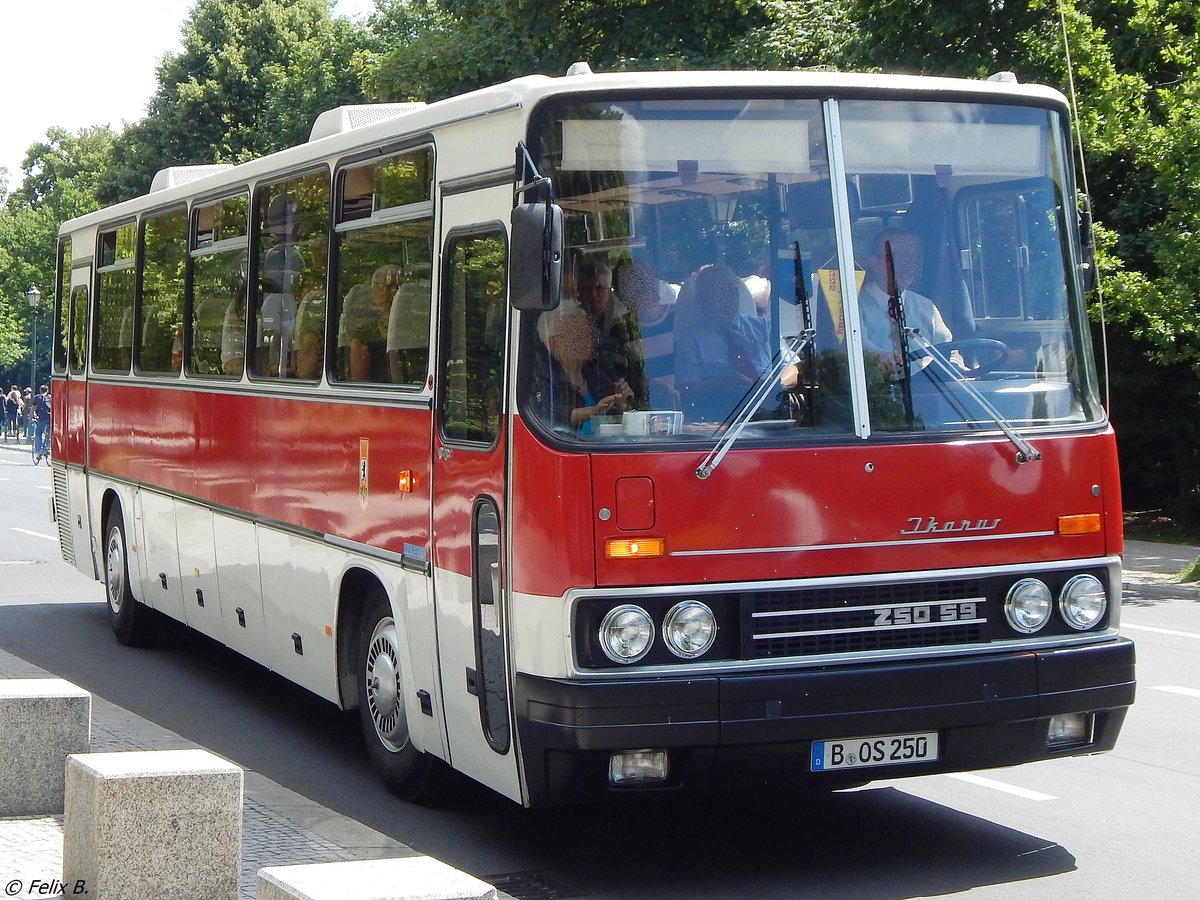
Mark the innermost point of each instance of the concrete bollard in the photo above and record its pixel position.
(410, 878)
(153, 825)
(42, 722)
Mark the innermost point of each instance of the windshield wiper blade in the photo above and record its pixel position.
(762, 390)
(1026, 452)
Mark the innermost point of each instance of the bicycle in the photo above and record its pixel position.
(40, 446)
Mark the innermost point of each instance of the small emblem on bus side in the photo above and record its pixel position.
(930, 525)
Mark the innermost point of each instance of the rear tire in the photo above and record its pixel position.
(382, 706)
(132, 622)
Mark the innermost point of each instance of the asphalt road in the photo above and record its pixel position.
(1119, 824)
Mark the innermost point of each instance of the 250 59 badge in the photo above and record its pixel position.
(907, 614)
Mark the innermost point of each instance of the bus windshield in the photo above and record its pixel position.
(819, 270)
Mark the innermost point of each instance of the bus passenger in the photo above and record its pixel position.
(723, 354)
(570, 383)
(653, 303)
(310, 335)
(878, 328)
(408, 333)
(364, 325)
(618, 340)
(233, 336)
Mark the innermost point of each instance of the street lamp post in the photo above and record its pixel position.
(32, 296)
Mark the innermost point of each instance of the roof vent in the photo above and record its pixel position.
(579, 68)
(1004, 77)
(173, 176)
(347, 118)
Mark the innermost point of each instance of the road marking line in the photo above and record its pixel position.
(1174, 689)
(49, 537)
(1186, 634)
(980, 781)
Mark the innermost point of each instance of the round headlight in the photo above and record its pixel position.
(1083, 601)
(689, 629)
(626, 633)
(1027, 606)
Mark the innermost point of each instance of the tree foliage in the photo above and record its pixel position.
(251, 77)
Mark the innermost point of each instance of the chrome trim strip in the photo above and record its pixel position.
(782, 613)
(790, 663)
(865, 628)
(861, 545)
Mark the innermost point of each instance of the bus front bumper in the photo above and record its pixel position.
(754, 730)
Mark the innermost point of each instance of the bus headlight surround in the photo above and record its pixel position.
(689, 629)
(1027, 605)
(626, 633)
(1083, 602)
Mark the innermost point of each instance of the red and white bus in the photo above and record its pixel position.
(611, 434)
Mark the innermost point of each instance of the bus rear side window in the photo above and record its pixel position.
(160, 314)
(114, 300)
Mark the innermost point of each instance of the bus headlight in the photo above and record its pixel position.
(626, 633)
(689, 629)
(1028, 604)
(1083, 601)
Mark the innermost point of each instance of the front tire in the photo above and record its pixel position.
(382, 706)
(131, 621)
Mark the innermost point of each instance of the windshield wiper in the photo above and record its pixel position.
(896, 312)
(762, 390)
(1026, 452)
(797, 345)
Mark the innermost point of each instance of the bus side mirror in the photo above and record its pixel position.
(535, 257)
(1087, 267)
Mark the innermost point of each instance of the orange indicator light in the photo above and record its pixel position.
(408, 480)
(1085, 524)
(639, 548)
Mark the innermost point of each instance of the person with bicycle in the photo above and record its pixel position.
(41, 420)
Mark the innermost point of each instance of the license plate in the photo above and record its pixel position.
(880, 750)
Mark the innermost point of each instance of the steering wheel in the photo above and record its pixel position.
(999, 348)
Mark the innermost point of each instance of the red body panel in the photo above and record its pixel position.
(288, 460)
(785, 512)
(804, 513)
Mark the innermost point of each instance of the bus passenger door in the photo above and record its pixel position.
(68, 408)
(469, 496)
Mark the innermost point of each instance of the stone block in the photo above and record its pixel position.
(42, 722)
(153, 825)
(411, 878)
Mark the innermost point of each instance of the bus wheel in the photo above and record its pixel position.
(131, 621)
(381, 705)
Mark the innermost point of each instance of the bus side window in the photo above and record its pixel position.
(114, 300)
(292, 221)
(160, 308)
(472, 364)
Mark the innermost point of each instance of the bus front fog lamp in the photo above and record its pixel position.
(1070, 730)
(626, 633)
(631, 768)
(1083, 602)
(1028, 604)
(689, 629)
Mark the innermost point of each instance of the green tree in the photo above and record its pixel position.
(250, 79)
(61, 177)
(438, 49)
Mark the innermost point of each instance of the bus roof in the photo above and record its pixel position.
(411, 120)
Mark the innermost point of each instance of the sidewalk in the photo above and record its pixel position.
(279, 827)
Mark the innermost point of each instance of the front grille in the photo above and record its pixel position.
(863, 618)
